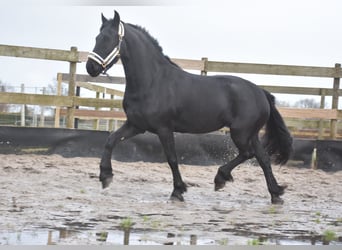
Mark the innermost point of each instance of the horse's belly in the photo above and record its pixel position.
(199, 123)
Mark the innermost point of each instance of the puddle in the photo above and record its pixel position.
(116, 237)
(75, 210)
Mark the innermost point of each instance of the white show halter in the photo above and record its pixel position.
(115, 53)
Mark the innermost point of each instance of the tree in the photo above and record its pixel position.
(282, 103)
(307, 103)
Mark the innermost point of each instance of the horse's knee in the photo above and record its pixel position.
(110, 142)
(173, 163)
(248, 154)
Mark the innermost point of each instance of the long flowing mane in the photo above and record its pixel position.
(153, 41)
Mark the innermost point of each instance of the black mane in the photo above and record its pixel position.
(153, 41)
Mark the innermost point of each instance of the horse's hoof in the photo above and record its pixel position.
(277, 200)
(220, 182)
(219, 186)
(176, 196)
(106, 181)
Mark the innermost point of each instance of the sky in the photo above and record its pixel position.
(294, 32)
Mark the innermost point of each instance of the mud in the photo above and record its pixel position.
(52, 195)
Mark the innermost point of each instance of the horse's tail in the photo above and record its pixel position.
(277, 139)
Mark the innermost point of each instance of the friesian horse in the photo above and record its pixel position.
(162, 98)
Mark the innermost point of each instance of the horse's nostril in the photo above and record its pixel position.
(92, 69)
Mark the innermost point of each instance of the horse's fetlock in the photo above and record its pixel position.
(181, 187)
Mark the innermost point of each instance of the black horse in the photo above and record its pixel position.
(162, 98)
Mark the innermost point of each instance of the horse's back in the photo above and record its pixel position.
(208, 103)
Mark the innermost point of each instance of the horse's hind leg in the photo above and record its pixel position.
(242, 142)
(224, 172)
(125, 132)
(264, 160)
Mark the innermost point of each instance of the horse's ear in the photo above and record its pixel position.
(116, 18)
(104, 19)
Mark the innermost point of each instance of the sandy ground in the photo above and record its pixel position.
(50, 192)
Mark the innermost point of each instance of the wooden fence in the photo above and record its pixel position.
(204, 66)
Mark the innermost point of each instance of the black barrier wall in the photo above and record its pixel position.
(329, 155)
(205, 149)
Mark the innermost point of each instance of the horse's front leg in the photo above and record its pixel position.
(123, 133)
(167, 140)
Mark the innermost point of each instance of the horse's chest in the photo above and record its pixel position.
(132, 109)
(140, 113)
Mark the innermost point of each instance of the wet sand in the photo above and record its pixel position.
(41, 192)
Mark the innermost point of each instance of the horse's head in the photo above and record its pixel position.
(107, 47)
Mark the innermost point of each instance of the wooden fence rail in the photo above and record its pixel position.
(204, 66)
(270, 69)
(39, 53)
(296, 113)
(59, 101)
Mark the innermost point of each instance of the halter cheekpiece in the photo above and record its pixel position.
(114, 54)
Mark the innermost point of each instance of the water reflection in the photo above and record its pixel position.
(101, 236)
(131, 237)
(174, 239)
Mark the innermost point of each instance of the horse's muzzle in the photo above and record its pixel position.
(93, 68)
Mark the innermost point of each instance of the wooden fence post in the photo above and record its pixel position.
(78, 93)
(335, 96)
(59, 93)
(71, 93)
(321, 121)
(204, 71)
(111, 121)
(22, 119)
(96, 122)
(42, 109)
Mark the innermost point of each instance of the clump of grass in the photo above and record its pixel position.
(257, 242)
(318, 217)
(272, 210)
(102, 236)
(254, 242)
(148, 221)
(156, 224)
(126, 224)
(328, 236)
(145, 219)
(223, 242)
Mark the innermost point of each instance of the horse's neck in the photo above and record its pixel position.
(141, 61)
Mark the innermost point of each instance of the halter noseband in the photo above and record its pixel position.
(114, 54)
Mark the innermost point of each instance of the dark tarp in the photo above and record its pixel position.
(329, 155)
(205, 149)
